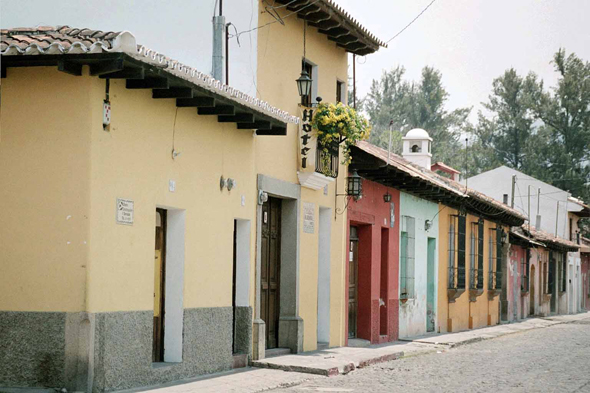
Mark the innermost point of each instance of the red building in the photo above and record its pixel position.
(585, 269)
(372, 269)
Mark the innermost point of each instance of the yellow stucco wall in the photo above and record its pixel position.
(45, 190)
(460, 312)
(62, 174)
(134, 161)
(62, 248)
(280, 52)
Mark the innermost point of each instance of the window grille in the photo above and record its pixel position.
(561, 263)
(524, 267)
(551, 274)
(407, 257)
(457, 230)
(476, 255)
(545, 264)
(495, 256)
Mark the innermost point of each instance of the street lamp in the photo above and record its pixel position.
(304, 84)
(355, 185)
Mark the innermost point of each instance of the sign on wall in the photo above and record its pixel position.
(391, 214)
(307, 141)
(308, 217)
(124, 211)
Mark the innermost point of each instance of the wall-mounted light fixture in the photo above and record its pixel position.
(387, 197)
(504, 236)
(354, 185)
(427, 225)
(354, 189)
(262, 197)
(304, 84)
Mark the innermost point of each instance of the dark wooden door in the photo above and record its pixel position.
(352, 282)
(270, 272)
(159, 286)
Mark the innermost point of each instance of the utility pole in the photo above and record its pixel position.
(513, 185)
(218, 30)
(354, 81)
(538, 222)
(529, 207)
(557, 219)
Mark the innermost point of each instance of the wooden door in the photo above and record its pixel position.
(353, 283)
(532, 291)
(270, 252)
(159, 286)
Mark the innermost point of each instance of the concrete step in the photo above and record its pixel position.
(322, 346)
(271, 353)
(358, 343)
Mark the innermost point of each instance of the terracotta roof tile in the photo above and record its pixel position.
(435, 179)
(549, 238)
(64, 40)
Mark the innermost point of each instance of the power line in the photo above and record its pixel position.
(276, 20)
(409, 24)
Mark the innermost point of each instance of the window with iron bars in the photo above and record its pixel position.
(327, 160)
(407, 255)
(544, 257)
(525, 266)
(457, 229)
(476, 255)
(495, 256)
(551, 273)
(561, 263)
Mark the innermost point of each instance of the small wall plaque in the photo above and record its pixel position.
(308, 217)
(124, 211)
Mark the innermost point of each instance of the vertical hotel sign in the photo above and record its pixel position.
(307, 141)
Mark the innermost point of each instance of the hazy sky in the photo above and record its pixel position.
(472, 41)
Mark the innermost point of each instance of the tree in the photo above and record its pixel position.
(511, 125)
(407, 105)
(565, 113)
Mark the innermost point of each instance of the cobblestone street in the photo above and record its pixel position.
(555, 359)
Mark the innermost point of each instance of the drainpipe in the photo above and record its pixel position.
(218, 30)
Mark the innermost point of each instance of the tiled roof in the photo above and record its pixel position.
(406, 166)
(550, 239)
(585, 211)
(444, 167)
(437, 180)
(337, 24)
(519, 233)
(66, 40)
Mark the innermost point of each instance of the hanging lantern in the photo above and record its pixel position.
(387, 197)
(304, 84)
(355, 185)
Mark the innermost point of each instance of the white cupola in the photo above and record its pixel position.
(417, 147)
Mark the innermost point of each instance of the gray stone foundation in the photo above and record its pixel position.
(112, 351)
(32, 349)
(243, 330)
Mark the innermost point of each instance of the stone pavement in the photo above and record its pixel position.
(292, 370)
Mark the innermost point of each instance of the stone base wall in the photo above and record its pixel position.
(112, 351)
(32, 349)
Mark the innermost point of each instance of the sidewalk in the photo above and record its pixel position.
(290, 370)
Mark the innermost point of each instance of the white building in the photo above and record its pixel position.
(549, 209)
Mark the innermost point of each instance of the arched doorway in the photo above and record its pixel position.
(532, 292)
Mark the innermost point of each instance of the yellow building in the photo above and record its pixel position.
(473, 258)
(109, 152)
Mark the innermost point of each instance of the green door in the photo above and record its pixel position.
(431, 288)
